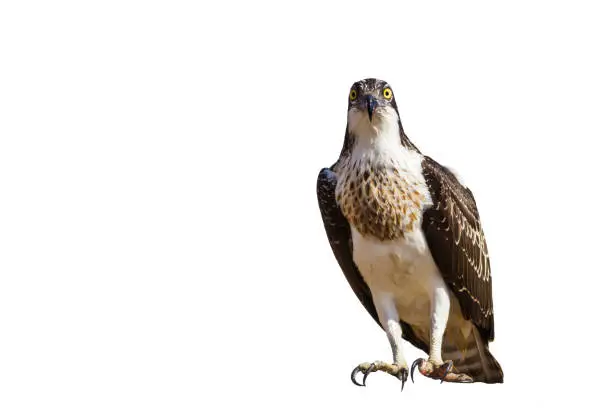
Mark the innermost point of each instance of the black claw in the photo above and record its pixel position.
(403, 377)
(414, 365)
(357, 369)
(368, 371)
(450, 367)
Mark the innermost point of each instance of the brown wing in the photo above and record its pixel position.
(456, 240)
(339, 236)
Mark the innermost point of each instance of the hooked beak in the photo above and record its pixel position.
(371, 105)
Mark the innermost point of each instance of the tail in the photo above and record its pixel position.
(471, 355)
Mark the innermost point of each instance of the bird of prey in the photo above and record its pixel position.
(407, 235)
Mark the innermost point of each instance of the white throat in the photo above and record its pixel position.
(381, 136)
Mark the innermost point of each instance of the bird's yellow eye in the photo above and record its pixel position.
(353, 95)
(387, 93)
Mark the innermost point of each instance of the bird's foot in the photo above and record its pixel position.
(396, 370)
(443, 372)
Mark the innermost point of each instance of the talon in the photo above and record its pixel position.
(396, 370)
(448, 369)
(414, 365)
(403, 377)
(368, 371)
(353, 377)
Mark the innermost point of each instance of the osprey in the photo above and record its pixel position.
(408, 237)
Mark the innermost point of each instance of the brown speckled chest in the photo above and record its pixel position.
(380, 200)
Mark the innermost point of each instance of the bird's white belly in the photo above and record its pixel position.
(402, 269)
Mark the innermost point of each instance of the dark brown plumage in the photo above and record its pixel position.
(387, 202)
(441, 224)
(457, 243)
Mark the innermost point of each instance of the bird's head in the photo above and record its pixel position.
(372, 107)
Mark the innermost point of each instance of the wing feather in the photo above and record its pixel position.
(457, 243)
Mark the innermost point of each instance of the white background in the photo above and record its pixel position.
(160, 239)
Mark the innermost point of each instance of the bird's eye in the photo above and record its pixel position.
(353, 95)
(387, 93)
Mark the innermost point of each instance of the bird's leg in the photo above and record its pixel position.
(387, 314)
(434, 366)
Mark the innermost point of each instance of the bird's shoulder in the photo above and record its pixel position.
(445, 181)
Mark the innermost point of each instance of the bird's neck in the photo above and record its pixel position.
(378, 142)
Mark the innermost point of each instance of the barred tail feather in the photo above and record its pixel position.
(472, 357)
